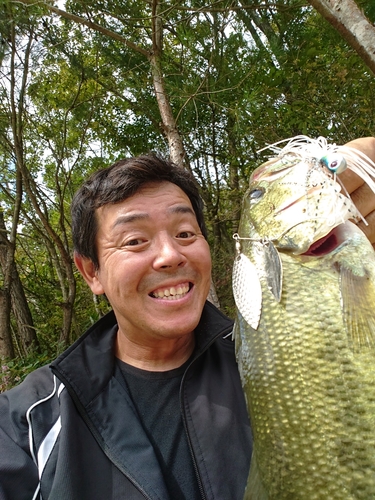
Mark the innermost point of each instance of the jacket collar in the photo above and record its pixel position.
(213, 324)
(88, 365)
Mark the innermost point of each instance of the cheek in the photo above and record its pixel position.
(130, 277)
(202, 257)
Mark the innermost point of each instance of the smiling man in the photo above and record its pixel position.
(154, 267)
(148, 403)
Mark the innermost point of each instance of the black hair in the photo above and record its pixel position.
(118, 182)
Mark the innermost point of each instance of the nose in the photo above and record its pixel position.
(168, 254)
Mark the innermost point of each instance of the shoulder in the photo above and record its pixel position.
(22, 431)
(37, 385)
(17, 404)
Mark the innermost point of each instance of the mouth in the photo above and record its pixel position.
(173, 292)
(324, 245)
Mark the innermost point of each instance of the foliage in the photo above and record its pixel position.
(238, 76)
(14, 371)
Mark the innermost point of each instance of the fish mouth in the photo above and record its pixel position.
(326, 244)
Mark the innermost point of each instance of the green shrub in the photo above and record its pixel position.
(14, 371)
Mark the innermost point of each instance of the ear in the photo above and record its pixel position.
(89, 272)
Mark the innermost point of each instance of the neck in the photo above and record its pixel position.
(161, 355)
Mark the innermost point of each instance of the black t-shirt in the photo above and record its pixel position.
(156, 398)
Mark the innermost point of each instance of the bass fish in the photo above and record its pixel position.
(304, 288)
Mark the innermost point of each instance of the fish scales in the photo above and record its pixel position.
(308, 372)
(307, 390)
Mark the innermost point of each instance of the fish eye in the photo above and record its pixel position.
(256, 193)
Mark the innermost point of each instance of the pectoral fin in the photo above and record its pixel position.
(254, 488)
(358, 301)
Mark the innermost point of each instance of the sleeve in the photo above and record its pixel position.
(19, 476)
(18, 472)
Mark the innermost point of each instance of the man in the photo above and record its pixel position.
(148, 402)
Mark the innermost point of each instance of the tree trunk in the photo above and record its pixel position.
(6, 345)
(176, 147)
(350, 22)
(20, 307)
(22, 314)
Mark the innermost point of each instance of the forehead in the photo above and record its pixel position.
(152, 198)
(158, 189)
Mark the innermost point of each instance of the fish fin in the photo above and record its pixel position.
(254, 488)
(274, 269)
(247, 290)
(358, 303)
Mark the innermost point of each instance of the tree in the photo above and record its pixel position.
(25, 332)
(346, 17)
(153, 54)
(17, 151)
(105, 83)
(16, 86)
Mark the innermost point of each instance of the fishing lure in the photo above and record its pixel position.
(335, 158)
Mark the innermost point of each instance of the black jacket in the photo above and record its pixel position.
(70, 431)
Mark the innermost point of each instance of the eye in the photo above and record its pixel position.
(133, 243)
(256, 193)
(185, 234)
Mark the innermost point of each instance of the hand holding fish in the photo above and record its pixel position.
(363, 197)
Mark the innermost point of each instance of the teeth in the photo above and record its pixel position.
(172, 293)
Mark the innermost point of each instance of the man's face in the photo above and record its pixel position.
(154, 263)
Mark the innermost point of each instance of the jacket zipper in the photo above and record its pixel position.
(195, 465)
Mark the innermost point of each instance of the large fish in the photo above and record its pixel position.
(304, 286)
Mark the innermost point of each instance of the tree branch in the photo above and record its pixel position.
(90, 24)
(354, 27)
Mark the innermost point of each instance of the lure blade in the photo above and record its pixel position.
(274, 269)
(247, 290)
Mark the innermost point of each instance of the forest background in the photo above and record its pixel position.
(84, 83)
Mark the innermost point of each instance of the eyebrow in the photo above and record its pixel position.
(182, 209)
(127, 219)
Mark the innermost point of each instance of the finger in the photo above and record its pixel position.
(370, 229)
(361, 194)
(351, 180)
(364, 199)
(365, 144)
